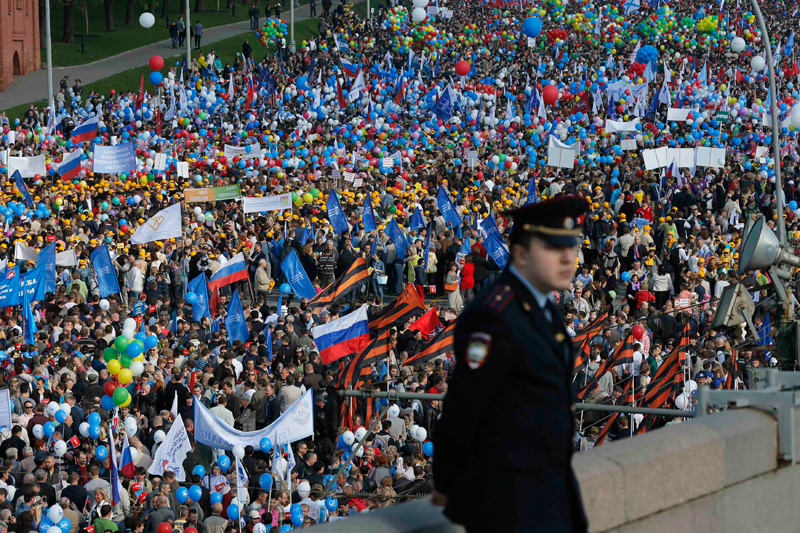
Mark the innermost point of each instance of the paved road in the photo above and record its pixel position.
(34, 86)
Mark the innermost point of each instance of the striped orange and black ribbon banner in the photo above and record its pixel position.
(357, 273)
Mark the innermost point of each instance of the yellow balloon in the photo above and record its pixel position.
(308, 198)
(127, 402)
(113, 367)
(125, 376)
(139, 357)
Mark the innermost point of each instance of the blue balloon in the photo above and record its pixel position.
(792, 205)
(266, 444)
(94, 431)
(195, 493)
(199, 470)
(61, 416)
(45, 524)
(297, 519)
(49, 428)
(296, 508)
(182, 494)
(94, 419)
(65, 525)
(101, 452)
(233, 511)
(107, 402)
(286, 288)
(626, 276)
(331, 504)
(265, 481)
(134, 349)
(427, 448)
(151, 342)
(216, 497)
(156, 77)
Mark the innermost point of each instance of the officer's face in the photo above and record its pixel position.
(546, 266)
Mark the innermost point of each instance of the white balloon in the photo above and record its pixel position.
(691, 386)
(60, 448)
(421, 434)
(147, 20)
(418, 15)
(136, 368)
(158, 436)
(129, 324)
(53, 529)
(238, 451)
(738, 45)
(38, 432)
(348, 438)
(66, 408)
(681, 401)
(198, 211)
(83, 429)
(413, 430)
(53, 408)
(304, 489)
(12, 490)
(259, 528)
(420, 3)
(104, 305)
(134, 454)
(131, 425)
(393, 412)
(758, 63)
(360, 432)
(55, 513)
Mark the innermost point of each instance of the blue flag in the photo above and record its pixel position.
(417, 221)
(488, 225)
(280, 303)
(305, 235)
(106, 274)
(443, 108)
(368, 218)
(29, 328)
(200, 308)
(20, 183)
(789, 48)
(174, 327)
(447, 208)
(496, 249)
(47, 259)
(214, 325)
(532, 198)
(33, 283)
(235, 322)
(335, 214)
(269, 344)
(466, 249)
(398, 238)
(428, 244)
(297, 277)
(10, 288)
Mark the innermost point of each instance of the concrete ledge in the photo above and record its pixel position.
(413, 517)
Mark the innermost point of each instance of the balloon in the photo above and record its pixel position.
(304, 489)
(104, 304)
(758, 63)
(122, 394)
(121, 344)
(265, 481)
(638, 332)
(54, 529)
(147, 20)
(83, 429)
(109, 354)
(233, 512)
(550, 94)
(125, 376)
(182, 494)
(55, 513)
(216, 497)
(162, 527)
(198, 470)
(681, 401)
(427, 449)
(421, 434)
(738, 45)
(94, 431)
(224, 463)
(65, 525)
(191, 298)
(109, 388)
(101, 452)
(626, 276)
(61, 416)
(331, 503)
(131, 426)
(113, 368)
(348, 438)
(150, 342)
(156, 63)
(463, 68)
(266, 444)
(48, 428)
(360, 432)
(532, 26)
(107, 403)
(159, 435)
(60, 447)
(393, 412)
(238, 451)
(297, 519)
(195, 493)
(52, 408)
(286, 288)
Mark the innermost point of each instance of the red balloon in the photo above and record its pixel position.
(463, 68)
(550, 94)
(189, 530)
(156, 63)
(638, 332)
(109, 388)
(164, 527)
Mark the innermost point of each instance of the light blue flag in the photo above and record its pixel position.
(47, 259)
(466, 247)
(33, 282)
(428, 245)
(297, 276)
(10, 288)
(20, 183)
(200, 308)
(336, 215)
(532, 198)
(496, 249)
(29, 328)
(235, 322)
(447, 208)
(106, 274)
(488, 225)
(398, 238)
(417, 222)
(368, 218)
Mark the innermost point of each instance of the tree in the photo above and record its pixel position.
(42, 28)
(165, 9)
(199, 5)
(129, 13)
(109, 14)
(68, 26)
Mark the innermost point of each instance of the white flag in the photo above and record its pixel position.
(290, 465)
(241, 483)
(174, 409)
(165, 225)
(172, 451)
(24, 252)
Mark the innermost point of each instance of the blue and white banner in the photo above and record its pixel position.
(398, 238)
(47, 259)
(113, 159)
(173, 451)
(166, 224)
(106, 274)
(235, 321)
(497, 250)
(12, 283)
(297, 277)
(447, 208)
(200, 308)
(296, 423)
(23, 188)
(336, 215)
(368, 217)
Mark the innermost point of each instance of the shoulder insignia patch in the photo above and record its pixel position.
(478, 349)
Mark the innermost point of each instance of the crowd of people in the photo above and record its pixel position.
(421, 159)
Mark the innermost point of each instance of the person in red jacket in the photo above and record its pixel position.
(467, 280)
(644, 296)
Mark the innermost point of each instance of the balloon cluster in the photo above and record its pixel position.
(156, 63)
(647, 54)
(124, 360)
(532, 27)
(55, 521)
(419, 14)
(59, 412)
(708, 24)
(271, 30)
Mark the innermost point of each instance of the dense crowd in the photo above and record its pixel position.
(376, 118)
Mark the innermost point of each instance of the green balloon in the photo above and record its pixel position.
(121, 343)
(109, 354)
(120, 395)
(125, 360)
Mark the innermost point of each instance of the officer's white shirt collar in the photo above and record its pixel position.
(539, 296)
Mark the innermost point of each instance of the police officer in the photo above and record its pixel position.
(505, 438)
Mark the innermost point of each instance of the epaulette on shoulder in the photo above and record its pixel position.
(498, 298)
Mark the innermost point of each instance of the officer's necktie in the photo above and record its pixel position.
(550, 311)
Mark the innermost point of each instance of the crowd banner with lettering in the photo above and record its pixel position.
(280, 202)
(212, 194)
(113, 159)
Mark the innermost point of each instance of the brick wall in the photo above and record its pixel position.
(19, 39)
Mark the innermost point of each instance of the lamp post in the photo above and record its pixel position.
(292, 46)
(188, 42)
(773, 105)
(49, 46)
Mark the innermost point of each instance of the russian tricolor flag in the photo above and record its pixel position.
(347, 335)
(71, 166)
(86, 131)
(233, 270)
(126, 461)
(350, 68)
(116, 486)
